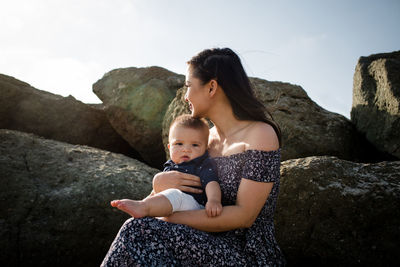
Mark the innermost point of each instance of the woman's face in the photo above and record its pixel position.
(196, 95)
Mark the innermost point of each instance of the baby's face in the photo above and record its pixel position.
(186, 143)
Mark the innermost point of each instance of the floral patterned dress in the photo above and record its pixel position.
(152, 242)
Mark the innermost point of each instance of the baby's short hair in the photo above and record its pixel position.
(186, 120)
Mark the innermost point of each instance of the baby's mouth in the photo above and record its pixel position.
(185, 158)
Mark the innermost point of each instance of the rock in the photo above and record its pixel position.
(27, 109)
(332, 212)
(307, 129)
(376, 100)
(136, 100)
(55, 200)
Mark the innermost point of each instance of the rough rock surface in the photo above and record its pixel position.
(376, 100)
(27, 109)
(54, 200)
(136, 100)
(332, 212)
(307, 129)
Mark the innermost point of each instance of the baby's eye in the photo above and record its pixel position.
(195, 145)
(178, 144)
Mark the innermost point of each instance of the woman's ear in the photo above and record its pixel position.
(213, 87)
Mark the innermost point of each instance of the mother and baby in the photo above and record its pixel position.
(236, 163)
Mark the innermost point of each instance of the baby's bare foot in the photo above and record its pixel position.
(136, 209)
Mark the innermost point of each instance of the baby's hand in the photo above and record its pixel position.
(213, 208)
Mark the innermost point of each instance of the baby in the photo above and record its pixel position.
(187, 144)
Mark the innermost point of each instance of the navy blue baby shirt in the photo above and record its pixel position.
(203, 167)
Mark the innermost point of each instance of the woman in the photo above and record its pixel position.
(245, 145)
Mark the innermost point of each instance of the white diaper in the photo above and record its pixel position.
(181, 201)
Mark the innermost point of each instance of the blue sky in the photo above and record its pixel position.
(64, 46)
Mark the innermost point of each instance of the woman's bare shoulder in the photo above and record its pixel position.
(262, 136)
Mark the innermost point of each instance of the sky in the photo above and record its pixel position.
(64, 46)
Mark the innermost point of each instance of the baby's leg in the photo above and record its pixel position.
(181, 201)
(154, 206)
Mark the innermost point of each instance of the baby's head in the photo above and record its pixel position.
(188, 138)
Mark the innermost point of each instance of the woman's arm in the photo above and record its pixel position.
(178, 180)
(251, 198)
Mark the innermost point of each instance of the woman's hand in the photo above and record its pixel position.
(174, 179)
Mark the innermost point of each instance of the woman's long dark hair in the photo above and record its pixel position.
(224, 66)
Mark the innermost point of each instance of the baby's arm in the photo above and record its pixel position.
(213, 205)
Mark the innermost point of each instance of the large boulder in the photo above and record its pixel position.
(307, 129)
(27, 109)
(55, 200)
(136, 100)
(376, 100)
(332, 212)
